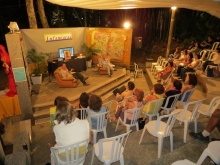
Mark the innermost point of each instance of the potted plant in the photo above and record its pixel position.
(37, 59)
(89, 52)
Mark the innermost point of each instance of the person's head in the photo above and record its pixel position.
(63, 65)
(84, 100)
(65, 112)
(209, 38)
(170, 63)
(95, 103)
(177, 84)
(191, 79)
(158, 88)
(139, 94)
(185, 52)
(131, 85)
(177, 49)
(59, 99)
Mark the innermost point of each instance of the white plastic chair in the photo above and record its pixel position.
(185, 96)
(82, 112)
(100, 126)
(111, 149)
(73, 154)
(153, 64)
(168, 79)
(202, 54)
(214, 46)
(161, 130)
(159, 64)
(173, 99)
(156, 105)
(160, 68)
(211, 151)
(137, 70)
(208, 109)
(108, 106)
(189, 114)
(134, 119)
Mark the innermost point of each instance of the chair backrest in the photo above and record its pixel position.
(161, 61)
(108, 105)
(215, 45)
(116, 148)
(214, 104)
(136, 67)
(134, 113)
(186, 95)
(171, 101)
(98, 121)
(164, 63)
(169, 123)
(211, 55)
(72, 154)
(82, 113)
(203, 54)
(154, 106)
(193, 107)
(158, 60)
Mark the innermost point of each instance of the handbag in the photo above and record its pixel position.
(216, 72)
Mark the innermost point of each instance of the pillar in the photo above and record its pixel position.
(14, 44)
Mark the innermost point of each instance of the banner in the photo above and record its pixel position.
(58, 37)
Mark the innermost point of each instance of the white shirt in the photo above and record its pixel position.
(77, 130)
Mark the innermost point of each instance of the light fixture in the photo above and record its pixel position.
(127, 25)
(173, 7)
(13, 26)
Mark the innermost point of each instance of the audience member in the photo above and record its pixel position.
(53, 109)
(155, 93)
(191, 81)
(66, 74)
(193, 43)
(213, 122)
(95, 107)
(176, 54)
(69, 129)
(134, 102)
(208, 43)
(165, 72)
(182, 59)
(173, 89)
(188, 60)
(215, 60)
(195, 50)
(190, 68)
(83, 103)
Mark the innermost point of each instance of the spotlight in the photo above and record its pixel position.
(127, 25)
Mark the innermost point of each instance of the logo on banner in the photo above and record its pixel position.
(58, 37)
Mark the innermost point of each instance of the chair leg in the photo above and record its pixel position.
(94, 137)
(93, 154)
(150, 118)
(160, 145)
(105, 134)
(142, 134)
(185, 130)
(171, 141)
(195, 125)
(137, 126)
(117, 125)
(121, 160)
(127, 128)
(203, 156)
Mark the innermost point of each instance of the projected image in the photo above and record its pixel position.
(66, 52)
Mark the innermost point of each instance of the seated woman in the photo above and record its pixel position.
(190, 68)
(134, 102)
(95, 107)
(191, 81)
(105, 63)
(155, 93)
(195, 50)
(176, 54)
(188, 60)
(69, 129)
(127, 93)
(165, 72)
(181, 59)
(83, 103)
(207, 44)
(53, 109)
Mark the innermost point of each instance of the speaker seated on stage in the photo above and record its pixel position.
(65, 82)
(104, 65)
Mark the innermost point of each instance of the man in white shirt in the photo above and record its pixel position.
(65, 73)
(105, 63)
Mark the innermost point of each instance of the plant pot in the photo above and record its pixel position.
(36, 79)
(89, 64)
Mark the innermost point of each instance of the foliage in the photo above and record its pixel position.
(90, 51)
(36, 58)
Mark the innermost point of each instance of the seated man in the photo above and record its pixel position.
(65, 73)
(105, 63)
(213, 122)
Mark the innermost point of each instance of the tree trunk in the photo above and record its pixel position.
(42, 15)
(31, 14)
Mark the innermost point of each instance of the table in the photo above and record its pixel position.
(78, 64)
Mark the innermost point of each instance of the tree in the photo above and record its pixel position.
(42, 15)
(31, 14)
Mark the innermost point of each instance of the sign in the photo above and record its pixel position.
(19, 74)
(57, 37)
